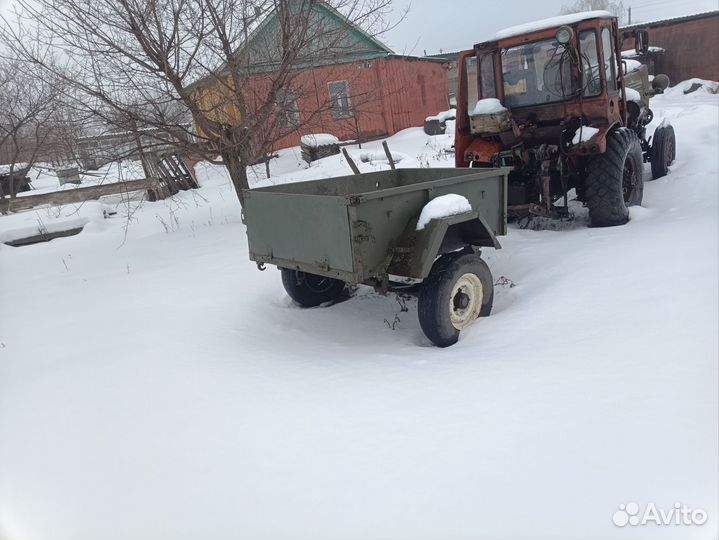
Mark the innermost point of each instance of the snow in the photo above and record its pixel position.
(633, 95)
(701, 86)
(5, 169)
(443, 206)
(443, 116)
(155, 384)
(583, 134)
(552, 22)
(488, 106)
(632, 53)
(52, 219)
(367, 157)
(630, 66)
(319, 139)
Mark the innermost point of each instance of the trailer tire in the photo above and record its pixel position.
(614, 179)
(663, 151)
(310, 290)
(459, 289)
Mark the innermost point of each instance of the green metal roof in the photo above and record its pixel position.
(338, 41)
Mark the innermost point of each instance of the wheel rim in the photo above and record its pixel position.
(465, 302)
(629, 178)
(316, 284)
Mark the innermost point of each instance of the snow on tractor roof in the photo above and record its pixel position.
(545, 24)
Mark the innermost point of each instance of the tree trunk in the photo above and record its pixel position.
(238, 173)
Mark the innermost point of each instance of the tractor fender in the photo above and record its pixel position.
(597, 144)
(417, 250)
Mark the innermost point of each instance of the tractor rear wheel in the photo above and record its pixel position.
(614, 180)
(663, 151)
(310, 290)
(459, 289)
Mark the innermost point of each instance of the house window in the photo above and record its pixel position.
(340, 99)
(287, 109)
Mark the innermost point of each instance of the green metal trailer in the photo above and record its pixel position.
(325, 234)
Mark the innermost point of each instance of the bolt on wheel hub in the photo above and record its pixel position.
(466, 300)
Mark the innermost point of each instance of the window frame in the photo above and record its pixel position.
(288, 109)
(599, 61)
(610, 65)
(339, 111)
(490, 56)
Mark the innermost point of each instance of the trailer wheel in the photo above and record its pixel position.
(310, 290)
(459, 289)
(663, 151)
(614, 180)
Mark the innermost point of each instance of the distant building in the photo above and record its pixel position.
(366, 91)
(690, 46)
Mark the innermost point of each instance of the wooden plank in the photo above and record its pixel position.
(44, 237)
(388, 154)
(351, 162)
(77, 195)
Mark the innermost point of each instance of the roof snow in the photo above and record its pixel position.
(545, 24)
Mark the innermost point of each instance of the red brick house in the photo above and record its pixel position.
(366, 92)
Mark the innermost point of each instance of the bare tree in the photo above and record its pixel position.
(156, 63)
(28, 119)
(615, 8)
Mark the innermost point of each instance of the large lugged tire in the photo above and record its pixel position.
(459, 289)
(663, 151)
(614, 180)
(310, 290)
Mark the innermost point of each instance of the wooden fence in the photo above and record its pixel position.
(78, 195)
(169, 172)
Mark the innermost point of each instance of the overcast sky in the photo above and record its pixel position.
(452, 25)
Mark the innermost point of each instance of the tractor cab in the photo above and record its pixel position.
(548, 77)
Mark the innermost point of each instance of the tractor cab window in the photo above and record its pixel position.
(591, 74)
(487, 86)
(470, 77)
(610, 64)
(536, 73)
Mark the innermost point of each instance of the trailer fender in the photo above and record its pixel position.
(417, 250)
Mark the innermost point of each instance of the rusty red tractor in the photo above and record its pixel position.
(555, 101)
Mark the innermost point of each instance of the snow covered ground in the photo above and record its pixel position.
(154, 384)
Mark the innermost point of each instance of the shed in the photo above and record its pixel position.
(689, 46)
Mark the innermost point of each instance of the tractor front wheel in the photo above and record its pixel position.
(663, 151)
(614, 180)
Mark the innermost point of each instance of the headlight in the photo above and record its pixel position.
(564, 35)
